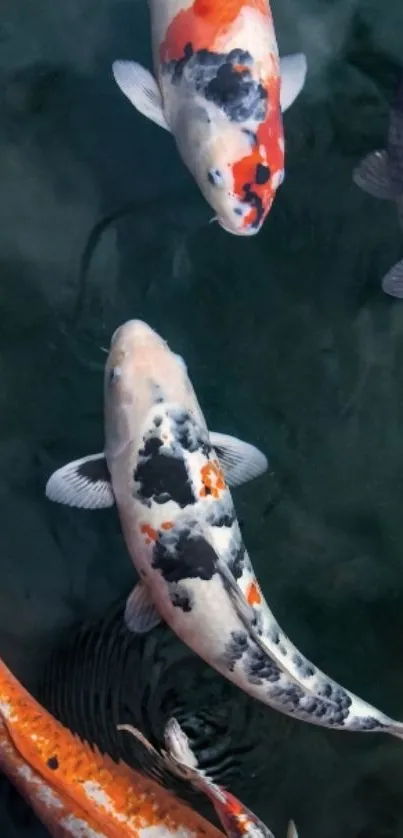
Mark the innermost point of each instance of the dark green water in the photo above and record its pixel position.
(290, 344)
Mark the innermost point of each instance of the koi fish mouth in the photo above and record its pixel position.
(239, 231)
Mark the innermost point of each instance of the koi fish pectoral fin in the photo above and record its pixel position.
(142, 90)
(140, 613)
(373, 176)
(392, 282)
(85, 483)
(239, 460)
(293, 69)
(292, 830)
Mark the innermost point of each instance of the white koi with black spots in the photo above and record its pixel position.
(169, 478)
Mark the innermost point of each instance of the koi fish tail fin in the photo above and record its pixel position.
(396, 729)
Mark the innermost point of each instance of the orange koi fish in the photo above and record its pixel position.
(76, 792)
(237, 820)
(220, 88)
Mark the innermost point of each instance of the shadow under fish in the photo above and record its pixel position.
(104, 675)
(380, 174)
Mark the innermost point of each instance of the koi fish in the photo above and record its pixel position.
(170, 479)
(380, 174)
(74, 790)
(236, 819)
(220, 89)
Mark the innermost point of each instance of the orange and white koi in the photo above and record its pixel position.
(74, 790)
(220, 88)
(170, 478)
(236, 819)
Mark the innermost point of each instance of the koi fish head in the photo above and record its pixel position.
(238, 169)
(141, 371)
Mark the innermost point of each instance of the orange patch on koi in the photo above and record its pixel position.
(167, 525)
(244, 170)
(148, 531)
(203, 23)
(213, 479)
(253, 595)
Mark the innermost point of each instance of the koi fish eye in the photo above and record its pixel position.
(115, 375)
(215, 178)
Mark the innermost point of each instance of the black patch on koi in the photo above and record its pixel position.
(186, 431)
(369, 723)
(53, 763)
(236, 561)
(255, 202)
(259, 667)
(94, 471)
(223, 78)
(222, 512)
(252, 137)
(180, 598)
(305, 669)
(185, 556)
(162, 476)
(235, 648)
(262, 174)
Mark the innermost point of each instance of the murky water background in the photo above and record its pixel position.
(290, 344)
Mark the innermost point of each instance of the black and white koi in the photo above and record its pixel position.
(169, 478)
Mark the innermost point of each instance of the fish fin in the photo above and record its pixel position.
(140, 613)
(183, 762)
(239, 460)
(373, 176)
(292, 830)
(85, 483)
(392, 282)
(140, 737)
(177, 745)
(142, 90)
(293, 69)
(242, 606)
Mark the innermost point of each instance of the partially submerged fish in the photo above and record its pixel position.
(76, 792)
(218, 89)
(380, 174)
(236, 819)
(169, 477)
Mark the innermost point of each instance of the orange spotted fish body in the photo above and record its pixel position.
(76, 792)
(220, 91)
(170, 479)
